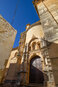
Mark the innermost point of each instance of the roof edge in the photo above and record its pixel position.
(34, 24)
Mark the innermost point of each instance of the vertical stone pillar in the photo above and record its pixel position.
(43, 49)
(47, 65)
(51, 81)
(24, 65)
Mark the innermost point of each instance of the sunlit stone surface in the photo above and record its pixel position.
(7, 37)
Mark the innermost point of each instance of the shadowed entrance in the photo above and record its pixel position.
(36, 74)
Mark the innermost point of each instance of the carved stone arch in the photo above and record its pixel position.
(33, 38)
(34, 54)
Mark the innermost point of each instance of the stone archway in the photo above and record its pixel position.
(36, 74)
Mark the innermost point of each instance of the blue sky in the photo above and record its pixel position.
(25, 14)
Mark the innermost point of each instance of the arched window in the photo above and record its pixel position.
(29, 48)
(38, 45)
(34, 45)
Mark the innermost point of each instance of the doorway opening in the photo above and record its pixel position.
(36, 74)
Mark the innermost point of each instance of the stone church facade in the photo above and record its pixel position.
(37, 55)
(40, 55)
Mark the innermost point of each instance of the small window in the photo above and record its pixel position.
(33, 46)
(29, 48)
(38, 46)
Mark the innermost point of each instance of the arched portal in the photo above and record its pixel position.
(36, 74)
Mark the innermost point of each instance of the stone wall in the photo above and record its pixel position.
(50, 26)
(13, 57)
(7, 37)
(52, 6)
(48, 13)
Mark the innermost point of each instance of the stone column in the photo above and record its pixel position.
(25, 65)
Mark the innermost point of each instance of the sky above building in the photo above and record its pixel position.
(25, 14)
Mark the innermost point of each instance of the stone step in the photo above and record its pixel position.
(35, 85)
